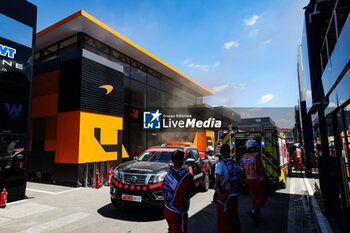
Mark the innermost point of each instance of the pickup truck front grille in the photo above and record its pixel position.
(134, 179)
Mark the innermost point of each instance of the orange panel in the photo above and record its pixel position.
(67, 137)
(200, 140)
(90, 149)
(46, 84)
(44, 106)
(50, 145)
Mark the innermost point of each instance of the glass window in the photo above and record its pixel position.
(68, 42)
(126, 68)
(165, 99)
(165, 87)
(156, 156)
(126, 90)
(192, 153)
(138, 75)
(137, 138)
(153, 97)
(95, 44)
(153, 81)
(67, 49)
(343, 88)
(16, 31)
(137, 93)
(36, 56)
(49, 52)
(195, 154)
(127, 111)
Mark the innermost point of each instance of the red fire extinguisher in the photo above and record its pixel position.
(109, 176)
(3, 199)
(98, 185)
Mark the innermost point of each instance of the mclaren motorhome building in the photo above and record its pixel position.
(91, 86)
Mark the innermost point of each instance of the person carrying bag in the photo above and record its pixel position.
(227, 178)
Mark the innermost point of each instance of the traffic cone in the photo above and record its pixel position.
(3, 199)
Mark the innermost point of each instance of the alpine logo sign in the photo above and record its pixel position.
(157, 120)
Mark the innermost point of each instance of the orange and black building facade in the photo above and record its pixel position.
(90, 88)
(71, 116)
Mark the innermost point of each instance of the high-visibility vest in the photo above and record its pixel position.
(249, 165)
(298, 153)
(172, 182)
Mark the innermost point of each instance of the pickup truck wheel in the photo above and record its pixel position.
(206, 182)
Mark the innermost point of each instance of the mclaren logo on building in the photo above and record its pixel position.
(109, 88)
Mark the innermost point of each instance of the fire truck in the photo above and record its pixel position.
(272, 147)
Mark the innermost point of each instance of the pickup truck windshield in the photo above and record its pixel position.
(156, 156)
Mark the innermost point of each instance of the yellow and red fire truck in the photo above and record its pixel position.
(273, 150)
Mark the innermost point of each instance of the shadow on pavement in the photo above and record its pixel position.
(203, 221)
(275, 214)
(131, 213)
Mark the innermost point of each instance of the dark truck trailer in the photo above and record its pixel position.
(18, 26)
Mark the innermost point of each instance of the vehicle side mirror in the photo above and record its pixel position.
(190, 161)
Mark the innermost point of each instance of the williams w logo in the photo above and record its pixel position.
(13, 111)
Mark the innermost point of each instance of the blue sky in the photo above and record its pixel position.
(243, 50)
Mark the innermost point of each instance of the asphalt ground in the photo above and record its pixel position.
(53, 208)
